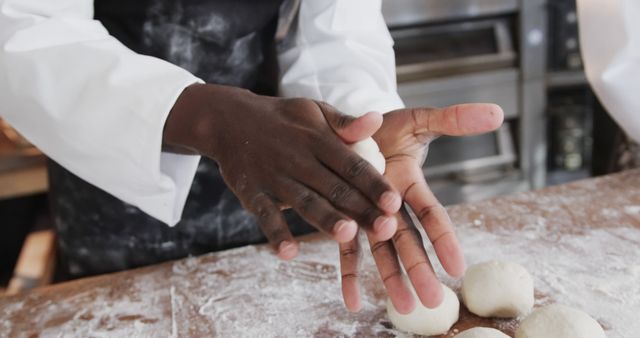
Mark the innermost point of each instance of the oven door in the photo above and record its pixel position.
(411, 12)
(452, 49)
(471, 158)
(472, 61)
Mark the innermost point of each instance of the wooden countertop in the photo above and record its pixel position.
(580, 242)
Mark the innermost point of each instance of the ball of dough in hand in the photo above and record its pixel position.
(368, 149)
(481, 332)
(497, 289)
(559, 321)
(425, 321)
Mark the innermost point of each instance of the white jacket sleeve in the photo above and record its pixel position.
(610, 40)
(341, 52)
(91, 104)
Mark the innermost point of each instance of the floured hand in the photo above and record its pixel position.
(403, 140)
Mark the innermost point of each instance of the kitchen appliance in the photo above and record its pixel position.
(572, 105)
(570, 122)
(459, 51)
(564, 42)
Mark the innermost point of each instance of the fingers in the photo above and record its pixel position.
(458, 120)
(365, 178)
(349, 128)
(316, 210)
(355, 168)
(350, 254)
(386, 260)
(274, 226)
(349, 200)
(408, 243)
(437, 224)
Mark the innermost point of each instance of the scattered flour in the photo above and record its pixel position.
(581, 244)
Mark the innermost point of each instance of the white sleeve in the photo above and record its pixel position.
(341, 52)
(91, 104)
(610, 42)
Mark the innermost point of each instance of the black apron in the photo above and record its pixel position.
(228, 42)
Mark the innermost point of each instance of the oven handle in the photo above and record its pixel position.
(504, 57)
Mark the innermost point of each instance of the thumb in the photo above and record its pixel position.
(458, 120)
(349, 128)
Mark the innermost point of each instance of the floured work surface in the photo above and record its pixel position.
(581, 242)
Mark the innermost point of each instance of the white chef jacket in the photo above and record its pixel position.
(610, 42)
(98, 108)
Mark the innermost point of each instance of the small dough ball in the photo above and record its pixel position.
(425, 321)
(497, 289)
(368, 149)
(481, 332)
(559, 321)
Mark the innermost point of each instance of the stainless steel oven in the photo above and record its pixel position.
(460, 51)
(455, 48)
(483, 156)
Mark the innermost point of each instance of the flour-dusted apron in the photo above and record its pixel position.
(227, 42)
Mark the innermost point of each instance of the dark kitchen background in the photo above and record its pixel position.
(522, 54)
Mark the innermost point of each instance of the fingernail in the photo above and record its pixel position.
(390, 201)
(381, 223)
(287, 250)
(384, 227)
(345, 230)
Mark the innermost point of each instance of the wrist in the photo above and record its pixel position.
(174, 136)
(201, 116)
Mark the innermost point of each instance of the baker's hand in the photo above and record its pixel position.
(275, 153)
(403, 139)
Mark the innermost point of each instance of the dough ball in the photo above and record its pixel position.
(481, 332)
(425, 321)
(559, 321)
(497, 289)
(368, 149)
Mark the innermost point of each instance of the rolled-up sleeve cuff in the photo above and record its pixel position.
(176, 171)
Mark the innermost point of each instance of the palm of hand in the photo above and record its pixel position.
(403, 139)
